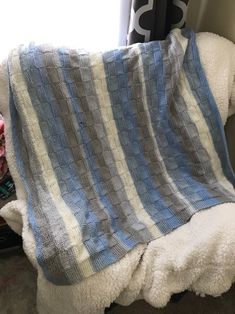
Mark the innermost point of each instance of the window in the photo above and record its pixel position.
(90, 24)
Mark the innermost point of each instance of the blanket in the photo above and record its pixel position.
(112, 149)
(198, 256)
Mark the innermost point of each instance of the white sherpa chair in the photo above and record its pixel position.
(199, 256)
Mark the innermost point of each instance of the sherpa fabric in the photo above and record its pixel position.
(113, 149)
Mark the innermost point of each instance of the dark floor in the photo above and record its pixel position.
(18, 291)
(189, 304)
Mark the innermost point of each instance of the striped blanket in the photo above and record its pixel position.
(113, 149)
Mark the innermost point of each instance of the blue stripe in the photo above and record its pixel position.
(129, 136)
(206, 102)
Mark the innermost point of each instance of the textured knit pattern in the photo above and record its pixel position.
(113, 149)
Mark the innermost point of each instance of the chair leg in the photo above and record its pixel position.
(174, 299)
(109, 309)
(177, 296)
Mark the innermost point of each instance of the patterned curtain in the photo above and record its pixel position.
(153, 19)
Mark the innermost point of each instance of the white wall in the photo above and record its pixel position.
(217, 16)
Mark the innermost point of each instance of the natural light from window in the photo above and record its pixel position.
(90, 24)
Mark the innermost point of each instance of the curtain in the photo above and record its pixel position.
(153, 19)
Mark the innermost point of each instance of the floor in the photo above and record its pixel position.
(17, 284)
(18, 290)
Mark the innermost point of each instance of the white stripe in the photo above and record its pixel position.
(183, 41)
(30, 120)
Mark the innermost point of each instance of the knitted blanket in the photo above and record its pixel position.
(112, 149)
